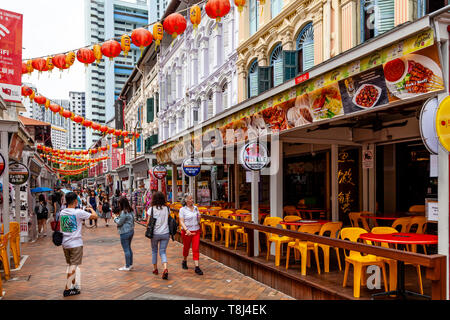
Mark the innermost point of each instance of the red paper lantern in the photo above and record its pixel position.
(85, 152)
(118, 132)
(125, 133)
(24, 68)
(40, 99)
(141, 38)
(78, 119)
(103, 148)
(110, 130)
(39, 64)
(103, 128)
(67, 114)
(85, 56)
(126, 140)
(115, 145)
(26, 91)
(174, 24)
(95, 126)
(55, 108)
(137, 135)
(59, 61)
(111, 49)
(87, 123)
(93, 151)
(216, 9)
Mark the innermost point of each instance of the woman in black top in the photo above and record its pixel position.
(41, 212)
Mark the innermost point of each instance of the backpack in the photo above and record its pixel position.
(173, 225)
(105, 207)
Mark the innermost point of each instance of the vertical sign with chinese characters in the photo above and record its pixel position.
(348, 182)
(10, 55)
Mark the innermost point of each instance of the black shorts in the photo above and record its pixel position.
(41, 216)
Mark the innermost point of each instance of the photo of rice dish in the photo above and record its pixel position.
(326, 102)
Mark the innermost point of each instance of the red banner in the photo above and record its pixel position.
(10, 55)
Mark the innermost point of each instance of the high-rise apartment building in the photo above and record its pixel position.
(156, 9)
(77, 132)
(106, 19)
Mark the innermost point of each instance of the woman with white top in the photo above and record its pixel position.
(190, 231)
(161, 233)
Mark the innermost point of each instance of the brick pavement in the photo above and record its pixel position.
(42, 276)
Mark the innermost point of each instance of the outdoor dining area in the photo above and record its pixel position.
(12, 240)
(329, 254)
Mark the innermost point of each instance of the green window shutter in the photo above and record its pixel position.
(278, 76)
(150, 109)
(265, 79)
(308, 54)
(290, 64)
(253, 84)
(384, 16)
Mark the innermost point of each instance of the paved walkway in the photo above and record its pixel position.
(42, 276)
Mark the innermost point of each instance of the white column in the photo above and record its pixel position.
(327, 29)
(5, 178)
(217, 98)
(255, 208)
(276, 176)
(205, 62)
(204, 109)
(195, 68)
(334, 183)
(179, 85)
(218, 54)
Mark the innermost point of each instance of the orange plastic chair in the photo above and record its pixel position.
(417, 225)
(292, 219)
(4, 255)
(14, 242)
(290, 211)
(241, 232)
(241, 211)
(357, 221)
(211, 224)
(418, 208)
(333, 228)
(303, 247)
(271, 237)
(359, 261)
(226, 228)
(403, 223)
(271, 222)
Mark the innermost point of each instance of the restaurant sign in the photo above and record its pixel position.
(254, 156)
(443, 123)
(2, 164)
(191, 167)
(427, 125)
(160, 172)
(18, 173)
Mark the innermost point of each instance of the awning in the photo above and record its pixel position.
(140, 166)
(35, 166)
(123, 171)
(100, 179)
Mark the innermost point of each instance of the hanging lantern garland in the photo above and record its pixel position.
(216, 9)
(240, 4)
(158, 33)
(174, 24)
(141, 38)
(125, 44)
(195, 15)
(111, 49)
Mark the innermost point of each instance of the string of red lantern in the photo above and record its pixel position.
(55, 108)
(174, 24)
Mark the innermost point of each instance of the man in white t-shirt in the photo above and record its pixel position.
(70, 225)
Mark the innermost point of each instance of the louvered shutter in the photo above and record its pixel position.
(253, 83)
(308, 54)
(290, 64)
(384, 16)
(277, 72)
(150, 110)
(264, 79)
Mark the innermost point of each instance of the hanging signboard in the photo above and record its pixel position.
(443, 123)
(160, 172)
(2, 164)
(427, 125)
(254, 156)
(10, 56)
(191, 167)
(18, 173)
(367, 159)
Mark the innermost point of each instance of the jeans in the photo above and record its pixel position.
(163, 240)
(125, 240)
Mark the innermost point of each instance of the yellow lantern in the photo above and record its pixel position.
(125, 43)
(240, 4)
(47, 104)
(158, 33)
(70, 59)
(195, 15)
(49, 64)
(32, 95)
(97, 52)
(30, 68)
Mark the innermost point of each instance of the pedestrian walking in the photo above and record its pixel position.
(92, 201)
(106, 209)
(125, 226)
(161, 234)
(41, 212)
(190, 231)
(56, 204)
(115, 202)
(71, 225)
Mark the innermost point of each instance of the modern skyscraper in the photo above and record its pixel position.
(106, 19)
(77, 132)
(156, 9)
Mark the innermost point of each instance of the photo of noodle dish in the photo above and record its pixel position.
(326, 102)
(300, 114)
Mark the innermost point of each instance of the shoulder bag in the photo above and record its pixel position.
(150, 226)
(57, 236)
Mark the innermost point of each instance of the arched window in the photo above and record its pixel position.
(276, 6)
(195, 112)
(276, 62)
(305, 47)
(225, 96)
(210, 105)
(252, 79)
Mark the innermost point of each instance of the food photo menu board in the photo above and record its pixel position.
(402, 71)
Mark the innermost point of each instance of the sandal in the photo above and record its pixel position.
(165, 275)
(155, 271)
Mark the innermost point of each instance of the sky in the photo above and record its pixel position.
(51, 27)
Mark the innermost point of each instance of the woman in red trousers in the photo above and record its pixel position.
(190, 231)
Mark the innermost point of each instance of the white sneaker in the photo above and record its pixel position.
(131, 267)
(124, 268)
